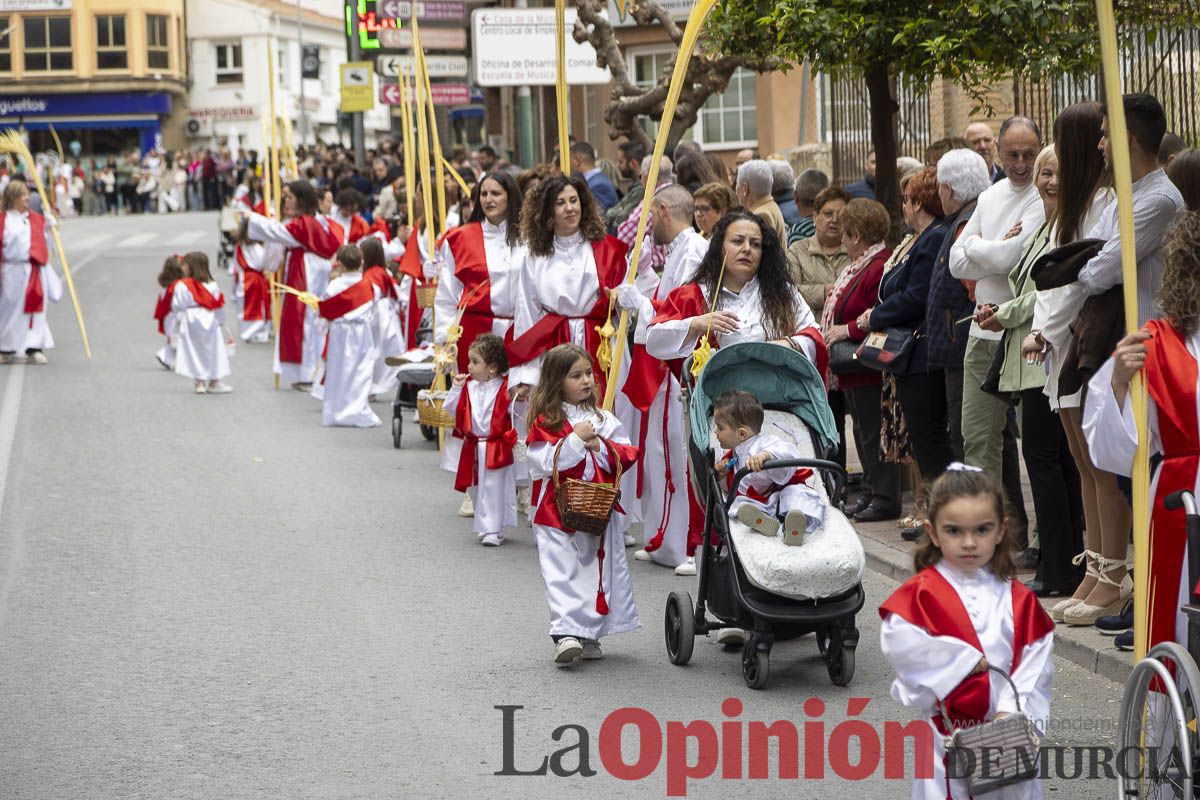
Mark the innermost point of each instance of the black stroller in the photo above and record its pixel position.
(824, 591)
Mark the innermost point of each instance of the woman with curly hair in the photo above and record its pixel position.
(568, 269)
(1165, 351)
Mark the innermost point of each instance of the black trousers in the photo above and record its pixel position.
(881, 479)
(923, 400)
(954, 397)
(1057, 500)
(1011, 479)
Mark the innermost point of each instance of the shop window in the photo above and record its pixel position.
(5, 45)
(229, 63)
(110, 42)
(47, 44)
(158, 46)
(731, 119)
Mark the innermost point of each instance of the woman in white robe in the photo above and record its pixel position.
(23, 331)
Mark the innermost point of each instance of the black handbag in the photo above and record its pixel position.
(843, 359)
(888, 350)
(991, 381)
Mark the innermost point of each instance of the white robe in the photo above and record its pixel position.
(345, 399)
(200, 352)
(166, 353)
(929, 667)
(799, 497)
(388, 333)
(265, 258)
(495, 493)
(568, 560)
(20, 331)
(1112, 441)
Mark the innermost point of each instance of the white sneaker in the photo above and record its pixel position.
(794, 525)
(36, 358)
(219, 388)
(731, 636)
(523, 495)
(200, 388)
(493, 540)
(629, 540)
(639, 555)
(567, 650)
(591, 652)
(467, 509)
(686, 568)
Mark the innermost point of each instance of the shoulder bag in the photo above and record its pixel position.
(992, 755)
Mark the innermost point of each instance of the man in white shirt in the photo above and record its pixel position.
(1007, 215)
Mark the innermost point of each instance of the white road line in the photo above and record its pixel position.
(139, 239)
(10, 410)
(78, 266)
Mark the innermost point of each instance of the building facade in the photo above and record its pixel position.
(108, 75)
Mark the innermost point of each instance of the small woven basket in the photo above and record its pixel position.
(430, 411)
(426, 295)
(585, 506)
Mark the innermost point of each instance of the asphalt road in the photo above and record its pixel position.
(214, 597)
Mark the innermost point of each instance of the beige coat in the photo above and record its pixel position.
(814, 271)
(768, 211)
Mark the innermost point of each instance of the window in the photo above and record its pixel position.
(646, 68)
(48, 44)
(731, 118)
(158, 46)
(110, 42)
(281, 70)
(229, 63)
(5, 46)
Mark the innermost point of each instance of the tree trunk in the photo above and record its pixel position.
(883, 134)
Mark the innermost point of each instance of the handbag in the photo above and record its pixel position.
(991, 380)
(992, 755)
(843, 359)
(888, 350)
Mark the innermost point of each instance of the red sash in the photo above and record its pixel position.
(1171, 381)
(928, 601)
(162, 308)
(471, 270)
(380, 277)
(501, 438)
(200, 294)
(348, 299)
(255, 288)
(39, 253)
(410, 264)
(313, 239)
(554, 329)
(336, 229)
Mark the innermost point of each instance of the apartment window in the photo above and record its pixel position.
(47, 44)
(229, 63)
(158, 47)
(731, 119)
(110, 42)
(646, 68)
(5, 46)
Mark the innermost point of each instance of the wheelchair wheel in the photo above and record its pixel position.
(756, 664)
(679, 625)
(1152, 738)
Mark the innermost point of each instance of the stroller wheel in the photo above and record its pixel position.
(839, 658)
(396, 427)
(679, 625)
(755, 663)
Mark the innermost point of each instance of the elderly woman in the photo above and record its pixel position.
(817, 261)
(713, 201)
(1052, 474)
(864, 224)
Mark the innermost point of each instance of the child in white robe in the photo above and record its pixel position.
(197, 314)
(962, 613)
(349, 307)
(485, 465)
(764, 497)
(172, 271)
(588, 586)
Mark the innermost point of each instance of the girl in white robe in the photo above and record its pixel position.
(197, 314)
(23, 325)
(485, 469)
(171, 272)
(588, 587)
(388, 330)
(346, 390)
(962, 613)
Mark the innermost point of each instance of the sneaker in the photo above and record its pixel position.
(219, 388)
(686, 568)
(6, 358)
(36, 358)
(567, 650)
(591, 651)
(794, 525)
(493, 540)
(1117, 623)
(1124, 641)
(641, 555)
(731, 637)
(467, 509)
(757, 520)
(200, 388)
(629, 540)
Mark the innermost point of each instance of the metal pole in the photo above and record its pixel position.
(525, 153)
(303, 126)
(358, 135)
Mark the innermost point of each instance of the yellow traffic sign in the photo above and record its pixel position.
(358, 86)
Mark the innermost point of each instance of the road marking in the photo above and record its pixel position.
(10, 409)
(88, 242)
(78, 266)
(139, 239)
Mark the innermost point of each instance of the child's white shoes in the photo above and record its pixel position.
(591, 651)
(794, 525)
(492, 539)
(567, 650)
(758, 520)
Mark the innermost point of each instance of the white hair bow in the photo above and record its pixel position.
(958, 466)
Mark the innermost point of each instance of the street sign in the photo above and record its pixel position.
(515, 47)
(429, 10)
(444, 94)
(358, 87)
(439, 66)
(435, 39)
(390, 94)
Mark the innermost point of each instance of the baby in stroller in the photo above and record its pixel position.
(765, 498)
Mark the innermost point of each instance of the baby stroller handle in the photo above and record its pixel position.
(819, 465)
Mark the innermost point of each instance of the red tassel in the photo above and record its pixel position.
(601, 602)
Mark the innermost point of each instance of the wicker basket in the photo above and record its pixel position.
(426, 294)
(584, 506)
(430, 411)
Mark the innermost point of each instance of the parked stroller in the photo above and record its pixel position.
(774, 591)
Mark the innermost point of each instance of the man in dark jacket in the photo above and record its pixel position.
(865, 187)
(583, 161)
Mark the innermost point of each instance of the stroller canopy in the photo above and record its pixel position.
(778, 376)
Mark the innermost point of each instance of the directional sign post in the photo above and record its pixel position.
(429, 10)
(388, 66)
(390, 94)
(431, 38)
(444, 94)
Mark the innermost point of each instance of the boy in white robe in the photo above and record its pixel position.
(348, 306)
